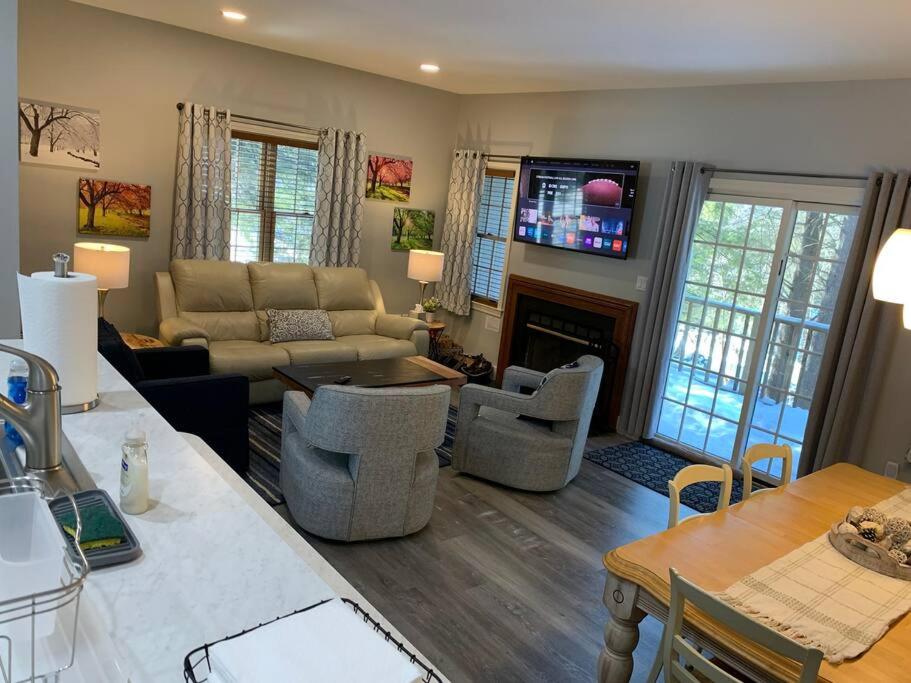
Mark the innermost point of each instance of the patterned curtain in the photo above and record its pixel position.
(340, 185)
(202, 196)
(465, 185)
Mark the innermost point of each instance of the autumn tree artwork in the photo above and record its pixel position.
(412, 229)
(59, 135)
(389, 178)
(114, 209)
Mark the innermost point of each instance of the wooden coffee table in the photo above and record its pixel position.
(411, 371)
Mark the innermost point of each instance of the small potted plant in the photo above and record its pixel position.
(430, 307)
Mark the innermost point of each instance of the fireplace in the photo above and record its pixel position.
(546, 325)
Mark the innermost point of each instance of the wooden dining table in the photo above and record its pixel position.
(713, 551)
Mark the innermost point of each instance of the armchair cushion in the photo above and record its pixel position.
(173, 331)
(397, 326)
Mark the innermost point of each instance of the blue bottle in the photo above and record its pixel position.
(16, 384)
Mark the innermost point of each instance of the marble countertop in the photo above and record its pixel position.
(216, 558)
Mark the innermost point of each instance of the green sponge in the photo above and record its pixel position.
(100, 529)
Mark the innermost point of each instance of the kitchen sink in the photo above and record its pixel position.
(71, 476)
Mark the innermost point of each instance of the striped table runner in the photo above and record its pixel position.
(821, 599)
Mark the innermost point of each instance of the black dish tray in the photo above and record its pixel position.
(197, 661)
(127, 551)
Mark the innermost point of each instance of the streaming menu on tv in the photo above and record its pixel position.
(577, 205)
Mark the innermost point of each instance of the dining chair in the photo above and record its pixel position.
(676, 655)
(764, 451)
(696, 474)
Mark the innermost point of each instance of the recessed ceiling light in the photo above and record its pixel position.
(430, 68)
(232, 15)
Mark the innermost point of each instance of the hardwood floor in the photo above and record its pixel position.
(504, 585)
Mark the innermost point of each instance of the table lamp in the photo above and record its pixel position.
(110, 263)
(425, 267)
(892, 274)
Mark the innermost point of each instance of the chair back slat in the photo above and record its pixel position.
(765, 451)
(696, 474)
(676, 652)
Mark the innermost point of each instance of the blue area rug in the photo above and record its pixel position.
(653, 467)
(265, 423)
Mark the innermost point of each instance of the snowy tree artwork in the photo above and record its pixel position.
(59, 135)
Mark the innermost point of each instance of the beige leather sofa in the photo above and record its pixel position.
(222, 305)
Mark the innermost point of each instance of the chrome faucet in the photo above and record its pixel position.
(38, 419)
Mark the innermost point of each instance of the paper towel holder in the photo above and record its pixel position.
(61, 269)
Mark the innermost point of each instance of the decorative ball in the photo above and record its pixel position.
(899, 529)
(898, 555)
(906, 548)
(871, 531)
(873, 515)
(846, 528)
(856, 515)
(885, 542)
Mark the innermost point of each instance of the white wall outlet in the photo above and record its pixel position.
(492, 323)
(641, 283)
(891, 469)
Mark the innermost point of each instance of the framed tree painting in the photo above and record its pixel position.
(114, 209)
(389, 178)
(59, 135)
(412, 229)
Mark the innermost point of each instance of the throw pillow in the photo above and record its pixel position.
(298, 325)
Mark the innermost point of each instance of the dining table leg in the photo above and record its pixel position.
(621, 634)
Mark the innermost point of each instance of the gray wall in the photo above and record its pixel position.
(135, 71)
(840, 128)
(9, 173)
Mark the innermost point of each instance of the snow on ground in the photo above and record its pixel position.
(728, 404)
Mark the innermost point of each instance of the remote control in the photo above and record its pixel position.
(344, 379)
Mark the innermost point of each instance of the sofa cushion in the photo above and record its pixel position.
(282, 285)
(253, 359)
(318, 351)
(373, 347)
(295, 325)
(211, 286)
(352, 322)
(342, 289)
(225, 326)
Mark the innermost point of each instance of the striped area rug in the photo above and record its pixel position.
(265, 424)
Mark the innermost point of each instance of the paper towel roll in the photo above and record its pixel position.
(60, 324)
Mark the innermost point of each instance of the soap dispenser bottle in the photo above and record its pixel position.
(134, 472)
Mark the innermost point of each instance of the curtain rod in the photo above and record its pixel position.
(306, 129)
(504, 157)
(784, 173)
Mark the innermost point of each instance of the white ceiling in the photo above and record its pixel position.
(486, 46)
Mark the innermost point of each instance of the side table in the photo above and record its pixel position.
(140, 341)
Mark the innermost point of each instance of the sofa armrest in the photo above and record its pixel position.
(169, 362)
(173, 331)
(213, 407)
(196, 341)
(397, 326)
(515, 378)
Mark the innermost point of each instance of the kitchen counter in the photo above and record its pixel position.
(216, 558)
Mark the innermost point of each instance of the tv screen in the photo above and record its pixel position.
(576, 204)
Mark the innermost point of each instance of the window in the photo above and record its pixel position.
(753, 319)
(273, 198)
(492, 238)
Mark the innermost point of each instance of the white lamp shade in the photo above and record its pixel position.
(892, 272)
(110, 263)
(426, 266)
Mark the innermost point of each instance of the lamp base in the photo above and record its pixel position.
(423, 284)
(102, 295)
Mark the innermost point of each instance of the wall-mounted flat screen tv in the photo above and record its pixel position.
(576, 204)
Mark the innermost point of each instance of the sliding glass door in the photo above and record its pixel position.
(753, 321)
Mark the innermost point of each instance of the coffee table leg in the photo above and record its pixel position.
(615, 664)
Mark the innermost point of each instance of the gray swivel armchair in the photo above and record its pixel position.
(360, 463)
(532, 442)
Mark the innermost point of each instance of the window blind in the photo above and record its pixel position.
(273, 198)
(494, 222)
